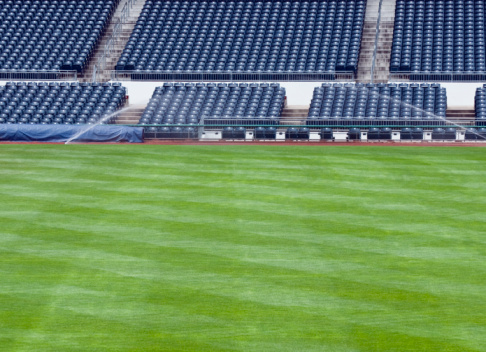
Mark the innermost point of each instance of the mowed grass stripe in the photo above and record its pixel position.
(244, 248)
(280, 299)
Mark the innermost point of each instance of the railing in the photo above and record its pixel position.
(375, 48)
(230, 76)
(44, 75)
(438, 76)
(95, 71)
(198, 131)
(281, 122)
(110, 44)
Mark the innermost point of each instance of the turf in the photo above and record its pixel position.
(202, 248)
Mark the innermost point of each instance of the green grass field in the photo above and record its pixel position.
(242, 248)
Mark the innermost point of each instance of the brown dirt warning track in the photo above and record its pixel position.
(277, 144)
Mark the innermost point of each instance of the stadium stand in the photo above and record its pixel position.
(217, 39)
(444, 134)
(375, 104)
(354, 134)
(326, 133)
(179, 103)
(412, 133)
(265, 132)
(379, 133)
(59, 102)
(444, 36)
(50, 35)
(245, 36)
(475, 134)
(480, 106)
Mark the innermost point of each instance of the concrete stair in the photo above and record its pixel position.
(461, 115)
(119, 44)
(382, 62)
(294, 114)
(130, 117)
(366, 53)
(385, 38)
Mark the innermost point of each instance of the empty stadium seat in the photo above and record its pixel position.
(406, 133)
(354, 134)
(59, 103)
(471, 134)
(326, 133)
(480, 106)
(444, 134)
(265, 133)
(50, 35)
(292, 133)
(245, 36)
(377, 104)
(373, 133)
(438, 133)
(417, 133)
(179, 103)
(234, 132)
(439, 36)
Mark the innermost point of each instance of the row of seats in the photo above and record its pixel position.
(59, 103)
(246, 36)
(189, 103)
(378, 101)
(46, 35)
(439, 36)
(480, 105)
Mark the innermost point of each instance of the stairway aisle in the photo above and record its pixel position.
(382, 63)
(120, 42)
(130, 117)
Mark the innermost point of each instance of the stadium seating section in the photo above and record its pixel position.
(439, 36)
(474, 134)
(246, 36)
(375, 103)
(480, 106)
(188, 103)
(59, 103)
(50, 35)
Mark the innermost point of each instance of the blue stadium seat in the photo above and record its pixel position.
(50, 35)
(246, 36)
(439, 36)
(54, 103)
(231, 103)
(379, 102)
(480, 106)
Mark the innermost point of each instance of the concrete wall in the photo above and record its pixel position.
(300, 93)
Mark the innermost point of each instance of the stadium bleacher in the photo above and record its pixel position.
(59, 103)
(439, 36)
(246, 36)
(51, 35)
(378, 103)
(480, 105)
(188, 103)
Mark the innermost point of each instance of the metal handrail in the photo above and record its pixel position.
(404, 76)
(44, 75)
(110, 44)
(231, 76)
(375, 49)
(297, 126)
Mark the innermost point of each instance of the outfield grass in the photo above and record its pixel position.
(202, 248)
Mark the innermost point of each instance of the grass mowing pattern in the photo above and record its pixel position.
(201, 248)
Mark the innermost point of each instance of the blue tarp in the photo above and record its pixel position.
(63, 133)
